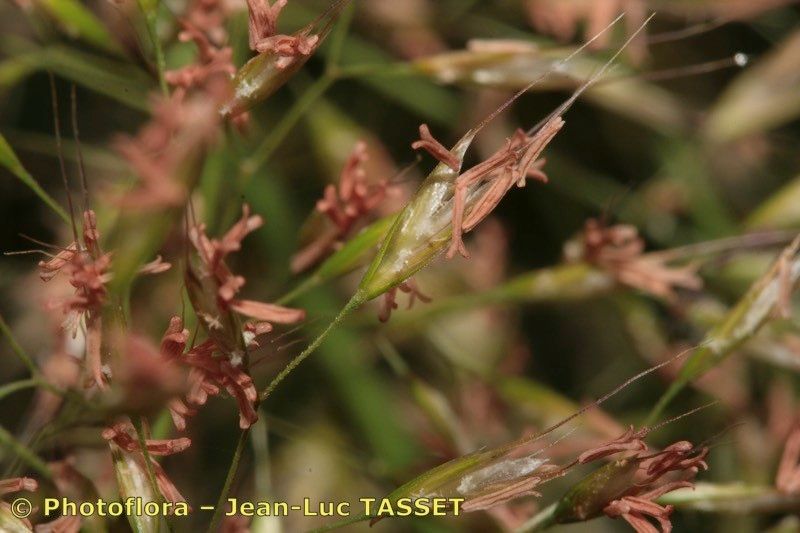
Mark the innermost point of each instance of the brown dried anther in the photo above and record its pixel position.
(503, 494)
(212, 253)
(628, 487)
(121, 435)
(679, 457)
(182, 127)
(345, 206)
(264, 37)
(511, 165)
(354, 196)
(211, 373)
(156, 266)
(439, 151)
(638, 512)
(49, 269)
(8, 486)
(17, 484)
(619, 250)
(263, 19)
(637, 506)
(630, 441)
(212, 61)
(89, 271)
(209, 17)
(389, 302)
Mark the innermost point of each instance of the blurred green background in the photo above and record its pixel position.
(686, 155)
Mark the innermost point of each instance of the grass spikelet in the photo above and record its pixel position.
(448, 200)
(267, 72)
(754, 309)
(134, 482)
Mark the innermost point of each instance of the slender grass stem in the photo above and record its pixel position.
(17, 349)
(11, 388)
(339, 36)
(665, 399)
(354, 302)
(301, 289)
(281, 130)
(150, 11)
(24, 454)
(226, 487)
(9, 160)
(61, 421)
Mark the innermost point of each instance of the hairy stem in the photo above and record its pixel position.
(354, 302)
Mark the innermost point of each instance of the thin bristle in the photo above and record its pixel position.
(78, 152)
(555, 68)
(60, 150)
(597, 76)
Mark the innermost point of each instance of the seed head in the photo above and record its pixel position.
(344, 206)
(213, 61)
(211, 370)
(627, 487)
(279, 56)
(449, 203)
(213, 288)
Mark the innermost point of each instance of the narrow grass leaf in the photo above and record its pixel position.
(9, 160)
(80, 23)
(122, 82)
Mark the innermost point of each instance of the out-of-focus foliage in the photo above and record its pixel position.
(659, 247)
